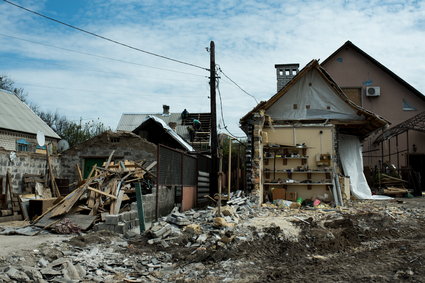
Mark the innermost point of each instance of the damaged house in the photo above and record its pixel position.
(180, 123)
(371, 85)
(303, 140)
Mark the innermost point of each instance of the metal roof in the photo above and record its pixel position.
(129, 122)
(17, 116)
(178, 138)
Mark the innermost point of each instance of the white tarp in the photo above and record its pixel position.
(314, 98)
(352, 162)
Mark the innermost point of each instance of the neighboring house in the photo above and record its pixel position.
(304, 136)
(19, 125)
(374, 87)
(156, 131)
(181, 124)
(20, 154)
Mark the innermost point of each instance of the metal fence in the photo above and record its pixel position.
(179, 170)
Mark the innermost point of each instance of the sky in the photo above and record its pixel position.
(84, 77)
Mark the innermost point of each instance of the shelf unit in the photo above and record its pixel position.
(300, 174)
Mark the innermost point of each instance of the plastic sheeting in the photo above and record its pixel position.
(352, 163)
(314, 98)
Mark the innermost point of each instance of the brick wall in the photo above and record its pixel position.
(25, 162)
(8, 140)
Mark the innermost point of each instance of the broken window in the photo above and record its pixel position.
(407, 107)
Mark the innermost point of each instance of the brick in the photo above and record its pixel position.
(103, 215)
(121, 228)
(126, 216)
(133, 214)
(111, 219)
(101, 226)
(134, 206)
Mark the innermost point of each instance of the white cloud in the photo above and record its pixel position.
(250, 36)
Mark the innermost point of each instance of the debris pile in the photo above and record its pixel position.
(242, 244)
(103, 192)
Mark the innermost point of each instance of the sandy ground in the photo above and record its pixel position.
(17, 243)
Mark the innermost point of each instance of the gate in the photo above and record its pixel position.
(177, 170)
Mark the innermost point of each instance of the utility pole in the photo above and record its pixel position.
(214, 143)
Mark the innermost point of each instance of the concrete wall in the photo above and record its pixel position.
(350, 69)
(166, 202)
(25, 163)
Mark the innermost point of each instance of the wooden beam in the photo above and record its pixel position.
(101, 192)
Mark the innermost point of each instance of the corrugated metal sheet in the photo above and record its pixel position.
(178, 138)
(130, 122)
(17, 116)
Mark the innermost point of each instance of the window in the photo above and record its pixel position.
(354, 94)
(407, 107)
(22, 145)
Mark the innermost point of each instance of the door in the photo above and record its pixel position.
(89, 163)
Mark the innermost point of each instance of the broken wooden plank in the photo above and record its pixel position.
(151, 166)
(109, 159)
(79, 173)
(101, 192)
(117, 206)
(55, 189)
(70, 200)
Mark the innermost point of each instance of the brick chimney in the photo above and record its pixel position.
(285, 73)
(165, 110)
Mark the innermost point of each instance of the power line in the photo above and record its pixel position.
(222, 115)
(97, 56)
(221, 71)
(95, 91)
(105, 38)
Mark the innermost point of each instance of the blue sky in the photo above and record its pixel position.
(82, 76)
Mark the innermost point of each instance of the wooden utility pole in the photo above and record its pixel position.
(214, 143)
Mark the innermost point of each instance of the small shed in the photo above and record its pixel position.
(305, 138)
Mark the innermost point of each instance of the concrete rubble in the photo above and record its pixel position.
(191, 246)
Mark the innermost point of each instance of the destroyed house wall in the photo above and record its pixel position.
(24, 163)
(127, 147)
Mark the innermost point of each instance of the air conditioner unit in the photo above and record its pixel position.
(373, 91)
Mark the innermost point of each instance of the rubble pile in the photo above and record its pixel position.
(242, 243)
